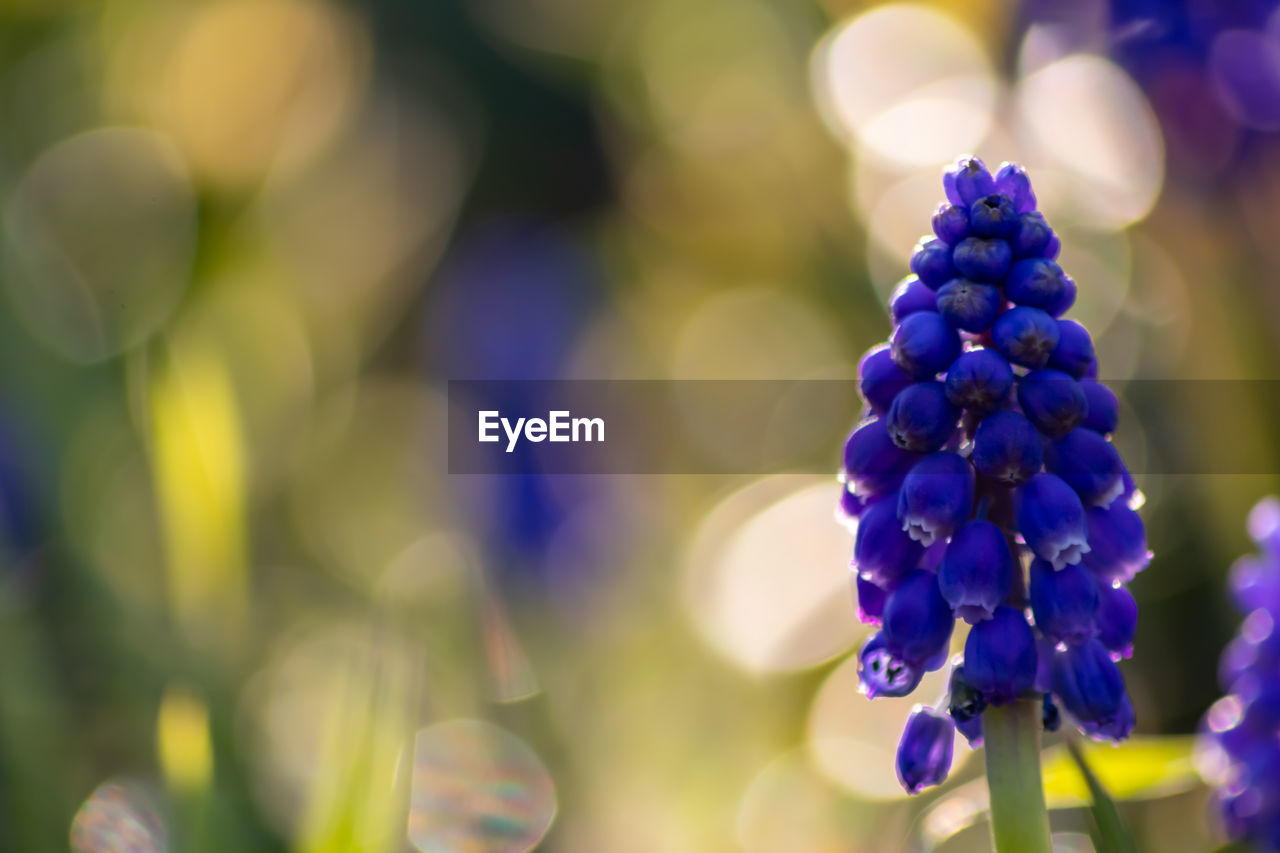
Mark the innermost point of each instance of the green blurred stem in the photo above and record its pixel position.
(1019, 819)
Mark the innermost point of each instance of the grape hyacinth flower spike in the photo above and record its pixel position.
(1238, 750)
(983, 487)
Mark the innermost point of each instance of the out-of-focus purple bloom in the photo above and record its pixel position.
(988, 460)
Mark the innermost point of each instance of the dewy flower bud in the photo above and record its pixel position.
(921, 418)
(873, 464)
(969, 305)
(880, 379)
(1037, 282)
(951, 223)
(976, 573)
(979, 380)
(1117, 543)
(918, 621)
(993, 216)
(1051, 520)
(1012, 181)
(932, 262)
(1007, 448)
(1089, 464)
(1052, 401)
(1064, 602)
(936, 497)
(909, 297)
(924, 753)
(882, 550)
(1091, 688)
(924, 345)
(882, 674)
(1117, 619)
(967, 181)
(1074, 353)
(982, 259)
(1025, 335)
(1103, 410)
(1000, 656)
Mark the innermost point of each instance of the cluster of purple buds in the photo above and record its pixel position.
(983, 485)
(1239, 746)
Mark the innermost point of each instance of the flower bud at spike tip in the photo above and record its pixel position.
(982, 258)
(1011, 180)
(993, 216)
(932, 263)
(951, 223)
(967, 181)
(924, 752)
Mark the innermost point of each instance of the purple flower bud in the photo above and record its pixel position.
(1064, 602)
(1264, 526)
(1065, 301)
(1074, 353)
(993, 216)
(1031, 235)
(1025, 336)
(873, 464)
(966, 702)
(1000, 656)
(918, 622)
(1117, 543)
(882, 674)
(1012, 181)
(976, 573)
(1254, 583)
(1036, 282)
(1051, 250)
(880, 379)
(924, 345)
(951, 223)
(1051, 520)
(1117, 619)
(882, 550)
(1089, 463)
(972, 731)
(967, 181)
(982, 259)
(979, 380)
(968, 305)
(1053, 401)
(849, 508)
(1090, 687)
(1007, 448)
(932, 262)
(911, 295)
(924, 753)
(870, 600)
(1103, 410)
(936, 497)
(921, 418)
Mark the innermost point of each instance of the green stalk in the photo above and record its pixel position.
(1019, 819)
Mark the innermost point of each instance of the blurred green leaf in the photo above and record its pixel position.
(1141, 768)
(1110, 834)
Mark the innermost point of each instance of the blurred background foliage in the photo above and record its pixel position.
(246, 242)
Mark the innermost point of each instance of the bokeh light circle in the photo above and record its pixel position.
(920, 105)
(767, 579)
(477, 788)
(1086, 116)
(101, 235)
(118, 817)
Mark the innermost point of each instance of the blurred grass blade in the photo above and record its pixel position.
(1141, 768)
(1110, 836)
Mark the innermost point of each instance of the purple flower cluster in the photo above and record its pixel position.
(1239, 746)
(985, 447)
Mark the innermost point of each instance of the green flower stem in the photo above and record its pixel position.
(1019, 819)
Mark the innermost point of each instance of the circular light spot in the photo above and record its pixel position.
(101, 232)
(1087, 116)
(767, 578)
(477, 788)
(118, 817)
(918, 105)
